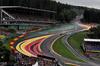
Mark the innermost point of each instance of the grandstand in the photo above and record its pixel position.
(18, 16)
(92, 47)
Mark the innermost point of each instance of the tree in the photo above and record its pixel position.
(94, 33)
(66, 15)
(92, 15)
(61, 17)
(4, 54)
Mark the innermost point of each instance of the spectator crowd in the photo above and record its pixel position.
(23, 60)
(4, 33)
(26, 17)
(93, 46)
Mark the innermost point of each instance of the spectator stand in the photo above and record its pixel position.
(17, 15)
(6, 33)
(92, 48)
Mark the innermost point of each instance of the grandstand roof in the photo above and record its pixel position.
(27, 8)
(92, 40)
(49, 22)
(25, 24)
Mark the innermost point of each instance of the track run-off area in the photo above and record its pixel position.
(40, 43)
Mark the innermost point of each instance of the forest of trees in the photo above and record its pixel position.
(64, 11)
(94, 33)
(92, 16)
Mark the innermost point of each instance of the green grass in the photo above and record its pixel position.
(61, 49)
(7, 44)
(77, 40)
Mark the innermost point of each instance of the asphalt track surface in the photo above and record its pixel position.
(46, 45)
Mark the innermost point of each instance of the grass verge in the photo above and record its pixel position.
(7, 44)
(77, 40)
(61, 49)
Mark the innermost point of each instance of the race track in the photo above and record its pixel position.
(40, 44)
